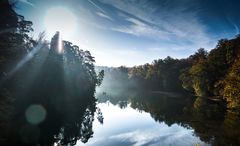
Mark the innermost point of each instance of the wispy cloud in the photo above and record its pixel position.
(236, 28)
(155, 30)
(104, 15)
(173, 135)
(139, 28)
(88, 17)
(166, 21)
(27, 2)
(95, 5)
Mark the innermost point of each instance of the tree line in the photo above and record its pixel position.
(207, 74)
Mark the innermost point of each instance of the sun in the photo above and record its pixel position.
(60, 19)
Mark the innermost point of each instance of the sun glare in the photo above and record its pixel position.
(60, 19)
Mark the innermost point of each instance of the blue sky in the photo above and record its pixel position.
(134, 32)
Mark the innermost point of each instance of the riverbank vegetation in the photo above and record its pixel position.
(207, 74)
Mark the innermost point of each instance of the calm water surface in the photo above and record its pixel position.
(128, 126)
(153, 119)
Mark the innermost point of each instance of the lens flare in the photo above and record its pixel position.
(35, 114)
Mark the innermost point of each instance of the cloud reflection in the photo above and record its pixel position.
(123, 127)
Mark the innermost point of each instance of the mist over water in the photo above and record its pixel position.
(138, 116)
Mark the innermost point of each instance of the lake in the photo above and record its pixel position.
(155, 119)
(130, 118)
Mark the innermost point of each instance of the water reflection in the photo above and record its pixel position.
(130, 127)
(43, 125)
(64, 127)
(138, 119)
(209, 122)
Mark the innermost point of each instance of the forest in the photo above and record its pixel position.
(214, 74)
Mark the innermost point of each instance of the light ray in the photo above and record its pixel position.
(28, 57)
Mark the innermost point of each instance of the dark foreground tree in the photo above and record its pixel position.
(47, 93)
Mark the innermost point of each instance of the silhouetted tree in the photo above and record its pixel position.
(55, 84)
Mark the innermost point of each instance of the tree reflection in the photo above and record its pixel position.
(210, 120)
